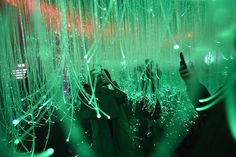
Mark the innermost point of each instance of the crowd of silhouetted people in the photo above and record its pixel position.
(110, 134)
(104, 115)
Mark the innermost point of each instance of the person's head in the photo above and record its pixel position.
(147, 61)
(105, 77)
(101, 76)
(94, 75)
(149, 64)
(149, 68)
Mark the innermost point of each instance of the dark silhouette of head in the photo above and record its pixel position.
(107, 74)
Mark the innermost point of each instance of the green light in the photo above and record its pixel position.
(15, 122)
(176, 47)
(98, 116)
(17, 141)
(50, 151)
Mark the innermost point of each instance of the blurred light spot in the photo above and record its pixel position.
(209, 58)
(17, 141)
(15, 122)
(176, 46)
(50, 151)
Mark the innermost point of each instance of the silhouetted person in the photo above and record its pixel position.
(110, 135)
(148, 112)
(210, 136)
(47, 133)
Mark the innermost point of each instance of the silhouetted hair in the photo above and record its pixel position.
(107, 74)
